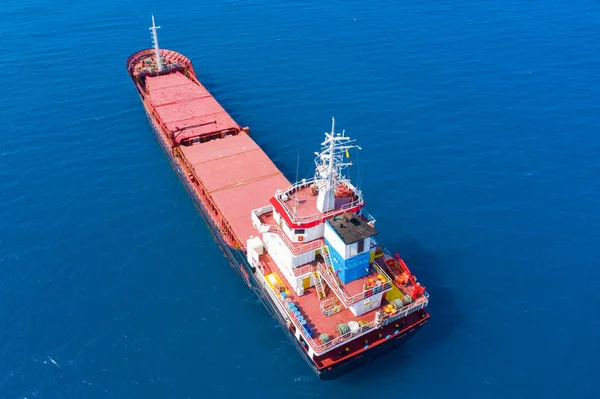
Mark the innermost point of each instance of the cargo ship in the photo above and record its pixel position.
(308, 249)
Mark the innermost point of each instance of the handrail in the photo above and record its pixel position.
(332, 283)
(418, 304)
(343, 296)
(319, 349)
(135, 58)
(325, 215)
(367, 216)
(256, 213)
(302, 270)
(296, 249)
(386, 319)
(326, 256)
(261, 267)
(330, 306)
(329, 301)
(319, 216)
(383, 273)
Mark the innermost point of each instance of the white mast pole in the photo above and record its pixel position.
(155, 39)
(331, 154)
(329, 164)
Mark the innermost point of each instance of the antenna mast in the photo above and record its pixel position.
(329, 165)
(296, 182)
(155, 40)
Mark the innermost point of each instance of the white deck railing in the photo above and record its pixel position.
(295, 247)
(346, 299)
(399, 313)
(367, 216)
(317, 216)
(256, 213)
(302, 270)
(330, 306)
(320, 348)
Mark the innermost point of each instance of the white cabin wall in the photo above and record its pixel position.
(316, 232)
(304, 258)
(366, 305)
(367, 244)
(267, 238)
(286, 261)
(309, 234)
(276, 216)
(286, 229)
(352, 249)
(336, 242)
(278, 250)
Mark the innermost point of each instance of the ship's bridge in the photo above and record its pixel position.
(308, 203)
(298, 204)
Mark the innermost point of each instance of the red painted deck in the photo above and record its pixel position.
(182, 103)
(235, 172)
(309, 305)
(169, 88)
(356, 287)
(239, 177)
(306, 204)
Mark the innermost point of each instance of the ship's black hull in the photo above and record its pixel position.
(247, 272)
(360, 360)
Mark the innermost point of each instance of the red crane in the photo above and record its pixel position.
(418, 288)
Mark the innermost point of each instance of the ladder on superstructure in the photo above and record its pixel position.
(328, 274)
(327, 258)
(319, 285)
(332, 305)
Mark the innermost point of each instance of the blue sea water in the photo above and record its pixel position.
(479, 124)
